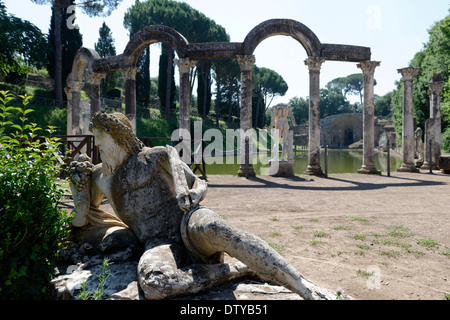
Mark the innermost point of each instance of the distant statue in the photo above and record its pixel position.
(156, 197)
(280, 114)
(419, 145)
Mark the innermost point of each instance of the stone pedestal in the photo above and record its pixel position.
(408, 145)
(314, 65)
(281, 168)
(368, 167)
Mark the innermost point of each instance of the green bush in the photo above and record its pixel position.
(32, 225)
(446, 141)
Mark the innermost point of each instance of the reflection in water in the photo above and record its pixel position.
(339, 161)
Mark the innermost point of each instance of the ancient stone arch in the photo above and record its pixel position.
(189, 53)
(154, 34)
(286, 27)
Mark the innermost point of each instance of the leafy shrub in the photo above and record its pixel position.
(446, 140)
(32, 225)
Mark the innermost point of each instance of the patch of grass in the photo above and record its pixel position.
(314, 220)
(364, 274)
(297, 227)
(377, 235)
(390, 253)
(363, 246)
(340, 228)
(320, 234)
(337, 253)
(274, 219)
(359, 252)
(275, 245)
(275, 233)
(315, 242)
(446, 251)
(428, 243)
(399, 231)
(358, 237)
(407, 247)
(350, 218)
(389, 242)
(417, 253)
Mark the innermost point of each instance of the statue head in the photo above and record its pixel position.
(115, 139)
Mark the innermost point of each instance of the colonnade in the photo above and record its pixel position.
(314, 65)
(188, 54)
(246, 62)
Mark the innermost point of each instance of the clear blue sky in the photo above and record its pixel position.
(394, 30)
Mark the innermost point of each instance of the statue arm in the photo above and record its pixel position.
(80, 175)
(189, 189)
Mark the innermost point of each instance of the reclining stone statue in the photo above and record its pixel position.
(156, 198)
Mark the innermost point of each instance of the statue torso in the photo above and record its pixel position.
(141, 192)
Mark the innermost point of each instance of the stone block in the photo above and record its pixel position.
(444, 163)
(281, 168)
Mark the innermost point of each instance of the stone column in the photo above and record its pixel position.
(433, 124)
(408, 142)
(68, 91)
(368, 166)
(75, 88)
(184, 68)
(314, 64)
(130, 94)
(246, 65)
(94, 80)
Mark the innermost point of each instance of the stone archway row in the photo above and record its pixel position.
(189, 53)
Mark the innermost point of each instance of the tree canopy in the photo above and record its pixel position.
(267, 84)
(22, 44)
(91, 8)
(192, 24)
(434, 58)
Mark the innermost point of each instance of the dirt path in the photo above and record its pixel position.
(352, 231)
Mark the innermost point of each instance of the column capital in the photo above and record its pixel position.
(435, 88)
(368, 67)
(184, 65)
(246, 62)
(95, 77)
(314, 64)
(408, 73)
(130, 73)
(74, 86)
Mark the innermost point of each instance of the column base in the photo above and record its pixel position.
(408, 167)
(368, 170)
(281, 168)
(246, 171)
(314, 171)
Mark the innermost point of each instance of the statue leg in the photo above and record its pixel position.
(208, 234)
(163, 273)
